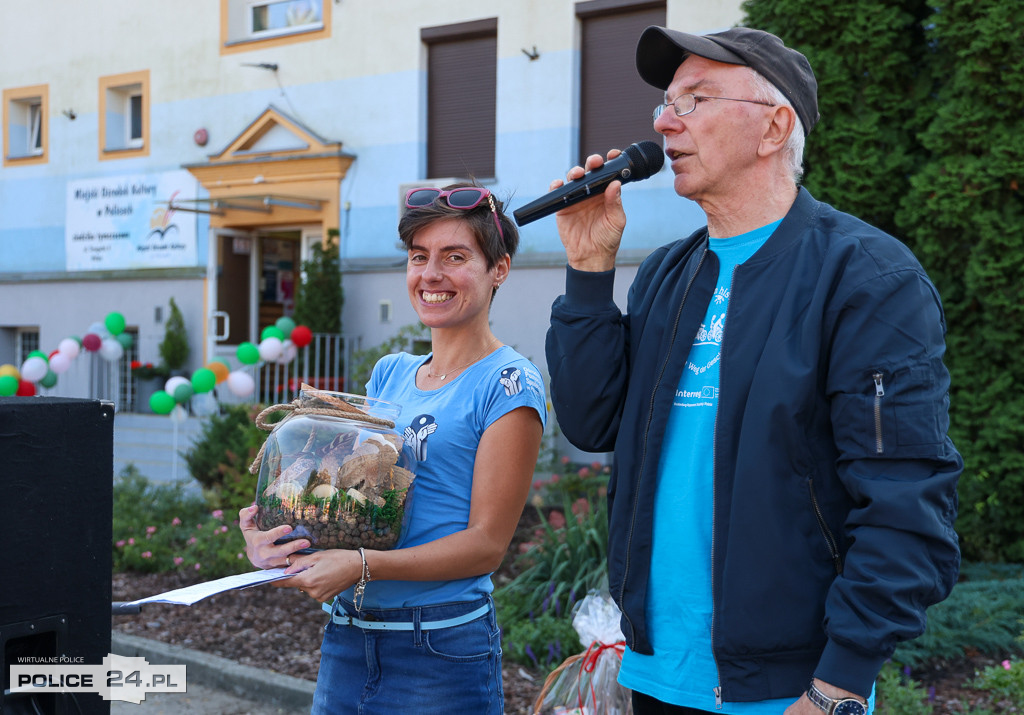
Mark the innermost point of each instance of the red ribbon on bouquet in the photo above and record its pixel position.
(590, 658)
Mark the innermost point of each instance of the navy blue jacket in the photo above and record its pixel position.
(834, 478)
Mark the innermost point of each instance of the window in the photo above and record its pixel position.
(124, 115)
(614, 102)
(25, 112)
(461, 99)
(27, 341)
(265, 22)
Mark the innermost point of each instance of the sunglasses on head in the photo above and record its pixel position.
(465, 198)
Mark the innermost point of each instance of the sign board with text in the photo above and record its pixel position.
(125, 222)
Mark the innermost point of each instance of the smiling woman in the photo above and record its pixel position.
(473, 410)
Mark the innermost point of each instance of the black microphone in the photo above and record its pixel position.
(639, 161)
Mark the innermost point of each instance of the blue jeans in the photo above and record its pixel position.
(442, 671)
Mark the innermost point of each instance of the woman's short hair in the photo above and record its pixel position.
(479, 219)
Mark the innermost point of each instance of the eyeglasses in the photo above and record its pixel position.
(686, 103)
(466, 198)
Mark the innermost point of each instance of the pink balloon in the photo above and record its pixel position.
(59, 362)
(92, 342)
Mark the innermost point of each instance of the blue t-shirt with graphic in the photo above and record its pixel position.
(682, 670)
(444, 427)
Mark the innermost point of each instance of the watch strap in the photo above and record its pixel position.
(823, 702)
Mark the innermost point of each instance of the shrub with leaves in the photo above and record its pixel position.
(174, 348)
(984, 615)
(318, 296)
(539, 641)
(219, 458)
(1005, 680)
(920, 135)
(566, 559)
(162, 527)
(898, 694)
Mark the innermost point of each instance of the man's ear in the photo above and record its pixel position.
(780, 125)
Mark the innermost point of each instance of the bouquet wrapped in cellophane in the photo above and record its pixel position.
(587, 683)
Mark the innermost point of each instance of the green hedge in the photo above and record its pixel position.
(921, 135)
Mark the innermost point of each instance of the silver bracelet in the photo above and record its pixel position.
(364, 578)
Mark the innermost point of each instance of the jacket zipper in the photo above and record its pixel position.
(879, 394)
(647, 427)
(837, 559)
(714, 491)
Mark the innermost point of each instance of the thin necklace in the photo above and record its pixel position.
(460, 367)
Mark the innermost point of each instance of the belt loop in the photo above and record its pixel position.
(417, 632)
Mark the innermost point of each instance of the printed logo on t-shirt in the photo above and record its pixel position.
(510, 380)
(417, 432)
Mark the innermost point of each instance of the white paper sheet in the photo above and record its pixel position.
(197, 592)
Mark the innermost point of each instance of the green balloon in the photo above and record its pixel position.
(272, 331)
(49, 380)
(248, 354)
(125, 339)
(182, 393)
(8, 385)
(114, 323)
(161, 403)
(203, 380)
(40, 353)
(286, 325)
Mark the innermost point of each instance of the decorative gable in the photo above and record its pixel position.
(275, 133)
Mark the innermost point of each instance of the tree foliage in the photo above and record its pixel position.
(921, 128)
(174, 347)
(318, 296)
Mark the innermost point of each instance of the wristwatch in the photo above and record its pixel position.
(831, 706)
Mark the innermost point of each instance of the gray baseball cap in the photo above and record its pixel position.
(660, 51)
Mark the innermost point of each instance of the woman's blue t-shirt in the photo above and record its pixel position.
(444, 427)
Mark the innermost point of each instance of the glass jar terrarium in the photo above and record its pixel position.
(335, 470)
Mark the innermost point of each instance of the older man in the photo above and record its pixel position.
(784, 490)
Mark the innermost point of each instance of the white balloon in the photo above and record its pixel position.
(69, 347)
(111, 350)
(270, 349)
(98, 329)
(173, 382)
(241, 383)
(178, 414)
(34, 369)
(288, 352)
(204, 404)
(60, 361)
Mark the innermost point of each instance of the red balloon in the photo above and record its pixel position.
(53, 353)
(92, 342)
(301, 336)
(25, 388)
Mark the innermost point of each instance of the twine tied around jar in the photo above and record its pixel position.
(330, 405)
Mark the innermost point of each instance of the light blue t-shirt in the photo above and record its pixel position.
(444, 427)
(682, 670)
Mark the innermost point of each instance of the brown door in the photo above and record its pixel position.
(234, 286)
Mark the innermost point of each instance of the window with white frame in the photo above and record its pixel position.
(25, 124)
(124, 115)
(281, 17)
(253, 21)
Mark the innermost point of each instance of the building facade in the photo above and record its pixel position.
(196, 150)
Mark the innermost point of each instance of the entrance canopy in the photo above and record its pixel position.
(276, 172)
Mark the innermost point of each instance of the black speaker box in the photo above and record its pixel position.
(56, 497)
